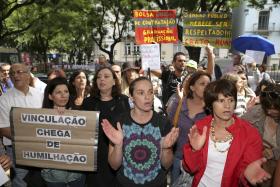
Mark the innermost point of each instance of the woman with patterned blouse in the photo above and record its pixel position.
(141, 148)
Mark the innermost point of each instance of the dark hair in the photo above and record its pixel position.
(133, 83)
(213, 89)
(265, 83)
(192, 80)
(270, 97)
(116, 89)
(177, 54)
(263, 66)
(72, 79)
(52, 84)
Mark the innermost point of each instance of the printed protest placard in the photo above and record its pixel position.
(201, 28)
(256, 55)
(43, 138)
(150, 56)
(155, 26)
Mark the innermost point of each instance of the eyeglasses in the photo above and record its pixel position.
(272, 95)
(19, 72)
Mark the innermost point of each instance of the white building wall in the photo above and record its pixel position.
(273, 32)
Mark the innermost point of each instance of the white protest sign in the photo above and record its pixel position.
(150, 56)
(3, 177)
(256, 55)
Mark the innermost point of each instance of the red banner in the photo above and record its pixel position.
(155, 26)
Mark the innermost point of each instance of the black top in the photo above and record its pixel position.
(141, 165)
(105, 176)
(169, 83)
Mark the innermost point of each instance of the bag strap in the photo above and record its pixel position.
(177, 113)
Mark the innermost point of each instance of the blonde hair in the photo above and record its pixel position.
(231, 77)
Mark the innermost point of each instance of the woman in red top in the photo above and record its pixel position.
(223, 150)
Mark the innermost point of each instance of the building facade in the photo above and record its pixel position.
(265, 22)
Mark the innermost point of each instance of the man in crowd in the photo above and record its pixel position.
(21, 95)
(171, 79)
(118, 71)
(102, 62)
(5, 81)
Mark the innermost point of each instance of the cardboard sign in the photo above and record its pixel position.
(43, 138)
(155, 26)
(150, 56)
(202, 28)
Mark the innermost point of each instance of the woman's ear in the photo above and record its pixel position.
(191, 88)
(50, 97)
(131, 98)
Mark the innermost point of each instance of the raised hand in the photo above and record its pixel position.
(254, 172)
(197, 140)
(169, 140)
(180, 92)
(251, 103)
(5, 162)
(209, 48)
(114, 135)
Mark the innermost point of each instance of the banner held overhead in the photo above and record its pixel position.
(155, 26)
(201, 28)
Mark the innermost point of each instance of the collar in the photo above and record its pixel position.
(31, 91)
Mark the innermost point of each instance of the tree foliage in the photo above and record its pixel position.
(75, 26)
(12, 8)
(110, 21)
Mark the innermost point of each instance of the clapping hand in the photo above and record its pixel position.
(254, 172)
(5, 162)
(197, 140)
(114, 135)
(169, 140)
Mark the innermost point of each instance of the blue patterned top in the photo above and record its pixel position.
(141, 152)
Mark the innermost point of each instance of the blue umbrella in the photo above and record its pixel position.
(253, 42)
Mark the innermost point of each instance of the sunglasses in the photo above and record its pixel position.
(270, 94)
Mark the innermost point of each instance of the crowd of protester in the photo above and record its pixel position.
(221, 129)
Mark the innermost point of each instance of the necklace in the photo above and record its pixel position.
(229, 138)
